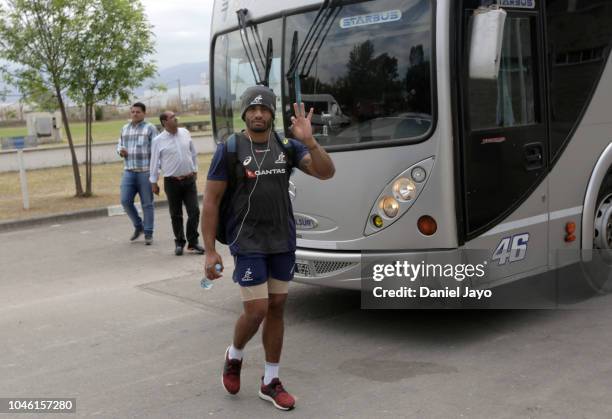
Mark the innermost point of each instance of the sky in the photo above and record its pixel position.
(182, 30)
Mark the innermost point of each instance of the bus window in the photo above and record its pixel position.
(371, 79)
(233, 75)
(509, 100)
(578, 58)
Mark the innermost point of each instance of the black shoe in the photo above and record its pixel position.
(196, 248)
(137, 233)
(178, 250)
(148, 239)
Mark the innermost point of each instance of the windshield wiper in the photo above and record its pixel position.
(265, 57)
(325, 28)
(309, 50)
(268, 67)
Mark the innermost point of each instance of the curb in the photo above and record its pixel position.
(11, 225)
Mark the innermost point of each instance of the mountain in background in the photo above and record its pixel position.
(189, 74)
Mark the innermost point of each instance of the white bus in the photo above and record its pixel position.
(427, 157)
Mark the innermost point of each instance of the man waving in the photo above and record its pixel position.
(254, 167)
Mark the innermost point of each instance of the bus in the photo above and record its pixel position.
(429, 155)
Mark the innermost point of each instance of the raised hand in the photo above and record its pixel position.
(300, 123)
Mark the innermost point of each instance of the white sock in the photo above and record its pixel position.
(271, 372)
(234, 353)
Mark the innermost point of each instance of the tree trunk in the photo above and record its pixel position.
(75, 162)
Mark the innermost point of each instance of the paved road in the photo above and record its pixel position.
(126, 330)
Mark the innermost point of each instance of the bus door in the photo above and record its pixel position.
(504, 144)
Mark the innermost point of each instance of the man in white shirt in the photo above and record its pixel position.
(173, 153)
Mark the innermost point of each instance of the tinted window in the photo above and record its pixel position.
(579, 35)
(233, 74)
(508, 101)
(371, 78)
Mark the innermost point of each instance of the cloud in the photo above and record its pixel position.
(182, 30)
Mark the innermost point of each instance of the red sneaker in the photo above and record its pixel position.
(231, 374)
(275, 393)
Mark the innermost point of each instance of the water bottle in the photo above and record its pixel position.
(207, 283)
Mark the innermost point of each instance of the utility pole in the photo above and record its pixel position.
(180, 97)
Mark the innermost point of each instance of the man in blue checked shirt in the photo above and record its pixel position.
(135, 147)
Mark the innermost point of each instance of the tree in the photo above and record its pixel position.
(41, 99)
(376, 78)
(418, 81)
(111, 62)
(39, 36)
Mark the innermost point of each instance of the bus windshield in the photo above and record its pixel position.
(369, 82)
(233, 73)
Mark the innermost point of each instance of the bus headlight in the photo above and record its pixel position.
(389, 206)
(404, 189)
(398, 196)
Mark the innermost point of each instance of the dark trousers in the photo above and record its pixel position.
(181, 192)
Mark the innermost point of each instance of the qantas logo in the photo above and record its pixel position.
(270, 172)
(253, 174)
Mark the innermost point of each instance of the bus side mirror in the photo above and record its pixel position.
(486, 43)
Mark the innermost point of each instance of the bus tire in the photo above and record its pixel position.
(598, 270)
(602, 228)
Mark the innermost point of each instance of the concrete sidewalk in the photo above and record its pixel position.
(110, 211)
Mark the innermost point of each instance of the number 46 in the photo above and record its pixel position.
(511, 249)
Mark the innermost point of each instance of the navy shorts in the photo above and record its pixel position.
(255, 269)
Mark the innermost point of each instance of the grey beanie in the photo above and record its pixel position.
(258, 95)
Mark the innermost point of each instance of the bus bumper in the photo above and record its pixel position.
(329, 269)
(339, 269)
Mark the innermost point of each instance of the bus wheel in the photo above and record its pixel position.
(602, 228)
(599, 268)
(602, 235)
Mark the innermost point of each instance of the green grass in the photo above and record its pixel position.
(102, 131)
(13, 131)
(52, 190)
